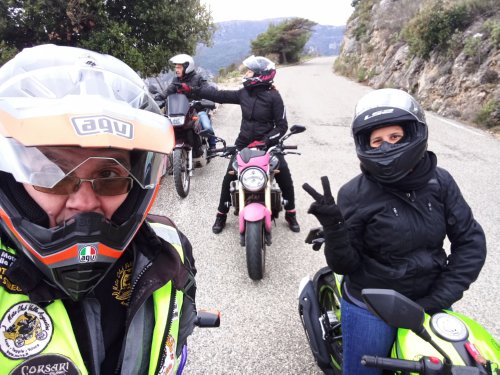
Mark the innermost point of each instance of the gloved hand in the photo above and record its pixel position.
(184, 88)
(159, 97)
(324, 207)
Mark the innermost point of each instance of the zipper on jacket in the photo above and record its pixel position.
(170, 318)
(395, 210)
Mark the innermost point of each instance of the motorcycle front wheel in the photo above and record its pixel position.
(180, 169)
(328, 296)
(255, 245)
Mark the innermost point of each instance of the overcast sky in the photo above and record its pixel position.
(324, 12)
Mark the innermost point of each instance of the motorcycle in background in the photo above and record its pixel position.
(191, 149)
(255, 195)
(446, 343)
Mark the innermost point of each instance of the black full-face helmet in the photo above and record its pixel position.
(57, 102)
(380, 108)
(263, 70)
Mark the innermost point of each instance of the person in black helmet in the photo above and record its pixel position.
(263, 119)
(186, 76)
(388, 226)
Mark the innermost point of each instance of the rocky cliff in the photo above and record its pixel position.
(445, 53)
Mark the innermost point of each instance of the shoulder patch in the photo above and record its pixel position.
(6, 260)
(25, 330)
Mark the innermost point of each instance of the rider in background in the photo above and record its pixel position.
(186, 77)
(263, 120)
(388, 228)
(82, 145)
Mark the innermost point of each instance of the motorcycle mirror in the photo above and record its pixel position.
(395, 309)
(296, 129)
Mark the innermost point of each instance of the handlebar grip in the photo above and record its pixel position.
(289, 147)
(392, 364)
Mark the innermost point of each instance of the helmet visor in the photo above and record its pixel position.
(258, 64)
(52, 169)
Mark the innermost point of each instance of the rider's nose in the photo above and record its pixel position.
(84, 199)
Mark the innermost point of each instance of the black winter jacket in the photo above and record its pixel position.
(395, 240)
(262, 110)
(191, 79)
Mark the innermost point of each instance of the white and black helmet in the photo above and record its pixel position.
(185, 60)
(389, 162)
(264, 71)
(55, 97)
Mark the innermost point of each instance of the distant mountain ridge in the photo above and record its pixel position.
(231, 42)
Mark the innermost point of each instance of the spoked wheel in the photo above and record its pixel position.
(328, 295)
(181, 172)
(255, 248)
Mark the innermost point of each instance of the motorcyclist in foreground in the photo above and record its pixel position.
(388, 228)
(82, 146)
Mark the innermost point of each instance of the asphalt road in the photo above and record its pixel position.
(260, 329)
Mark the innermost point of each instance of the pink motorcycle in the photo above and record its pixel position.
(255, 195)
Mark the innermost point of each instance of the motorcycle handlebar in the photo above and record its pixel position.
(392, 364)
(425, 366)
(289, 147)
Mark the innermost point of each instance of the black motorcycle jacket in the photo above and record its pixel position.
(191, 79)
(262, 109)
(394, 239)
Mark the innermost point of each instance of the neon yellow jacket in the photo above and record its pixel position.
(40, 339)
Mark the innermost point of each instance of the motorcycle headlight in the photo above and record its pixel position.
(177, 120)
(253, 179)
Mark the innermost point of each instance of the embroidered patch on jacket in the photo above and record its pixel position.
(53, 364)
(168, 358)
(6, 260)
(123, 287)
(25, 330)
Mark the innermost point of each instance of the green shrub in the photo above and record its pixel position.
(434, 27)
(472, 48)
(489, 115)
(493, 29)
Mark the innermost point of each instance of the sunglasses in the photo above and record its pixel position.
(106, 186)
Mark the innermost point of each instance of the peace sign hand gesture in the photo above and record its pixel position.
(324, 207)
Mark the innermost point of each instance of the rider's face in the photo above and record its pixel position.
(60, 208)
(179, 70)
(390, 134)
(249, 74)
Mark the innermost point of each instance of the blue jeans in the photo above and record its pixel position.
(363, 333)
(206, 125)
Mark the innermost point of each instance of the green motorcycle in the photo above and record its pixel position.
(444, 343)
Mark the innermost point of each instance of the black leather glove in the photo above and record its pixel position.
(324, 207)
